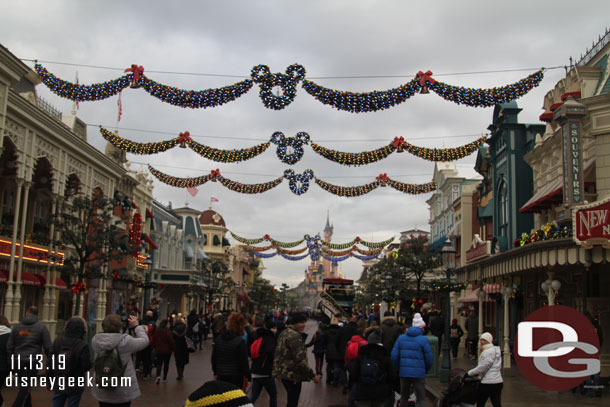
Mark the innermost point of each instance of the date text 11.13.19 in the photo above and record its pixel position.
(36, 362)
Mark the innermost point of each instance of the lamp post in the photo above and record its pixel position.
(147, 287)
(448, 261)
(551, 287)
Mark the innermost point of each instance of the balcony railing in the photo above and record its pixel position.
(47, 107)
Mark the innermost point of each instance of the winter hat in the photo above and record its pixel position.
(297, 318)
(219, 394)
(376, 336)
(487, 337)
(418, 321)
(454, 321)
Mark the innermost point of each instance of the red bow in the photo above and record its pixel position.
(423, 77)
(354, 247)
(383, 178)
(137, 71)
(266, 237)
(215, 173)
(183, 138)
(357, 239)
(398, 142)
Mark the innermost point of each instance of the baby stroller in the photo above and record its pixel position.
(461, 391)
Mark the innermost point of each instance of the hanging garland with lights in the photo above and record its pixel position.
(354, 102)
(82, 93)
(285, 245)
(227, 156)
(246, 241)
(351, 250)
(135, 234)
(291, 252)
(289, 149)
(293, 258)
(355, 159)
(371, 257)
(443, 286)
(137, 148)
(341, 246)
(336, 259)
(265, 255)
(439, 154)
(299, 184)
(260, 249)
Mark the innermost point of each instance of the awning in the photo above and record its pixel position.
(547, 196)
(61, 284)
(30, 279)
(492, 288)
(473, 297)
(437, 244)
(201, 254)
(148, 240)
(188, 252)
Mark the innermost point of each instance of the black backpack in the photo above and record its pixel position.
(371, 372)
(107, 367)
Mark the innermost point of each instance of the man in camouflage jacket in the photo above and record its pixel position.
(290, 362)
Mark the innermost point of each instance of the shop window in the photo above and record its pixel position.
(216, 241)
(490, 314)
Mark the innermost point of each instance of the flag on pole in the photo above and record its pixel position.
(212, 199)
(192, 190)
(120, 105)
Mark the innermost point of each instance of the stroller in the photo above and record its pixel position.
(461, 391)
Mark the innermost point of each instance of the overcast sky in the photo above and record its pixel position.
(329, 38)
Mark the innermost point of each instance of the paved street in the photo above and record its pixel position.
(198, 371)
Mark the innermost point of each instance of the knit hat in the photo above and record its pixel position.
(297, 318)
(376, 336)
(487, 336)
(219, 394)
(418, 321)
(454, 321)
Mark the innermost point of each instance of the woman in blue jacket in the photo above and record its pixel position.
(413, 357)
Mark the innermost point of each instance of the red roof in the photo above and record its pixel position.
(337, 281)
(211, 217)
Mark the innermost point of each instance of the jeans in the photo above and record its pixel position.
(455, 343)
(24, 398)
(59, 399)
(293, 392)
(144, 360)
(592, 385)
(405, 391)
(163, 361)
(319, 362)
(335, 371)
(491, 391)
(269, 384)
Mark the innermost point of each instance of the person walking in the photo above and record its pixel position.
(489, 369)
(455, 336)
(107, 344)
(5, 331)
(345, 334)
(290, 361)
(391, 331)
(334, 359)
(437, 327)
(412, 357)
(262, 355)
(206, 327)
(144, 357)
(218, 324)
(77, 362)
(318, 341)
(181, 351)
(372, 374)
(163, 346)
(26, 341)
(351, 354)
(230, 353)
(472, 328)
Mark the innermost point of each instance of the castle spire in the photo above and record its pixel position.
(328, 225)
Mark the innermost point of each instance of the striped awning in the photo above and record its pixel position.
(492, 288)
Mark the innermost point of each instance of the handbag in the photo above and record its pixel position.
(190, 347)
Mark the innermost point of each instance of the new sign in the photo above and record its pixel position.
(591, 224)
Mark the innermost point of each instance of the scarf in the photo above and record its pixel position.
(484, 347)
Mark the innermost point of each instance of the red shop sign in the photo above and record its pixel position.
(591, 224)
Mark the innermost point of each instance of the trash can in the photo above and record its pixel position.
(433, 372)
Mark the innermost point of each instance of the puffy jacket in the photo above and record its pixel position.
(27, 337)
(332, 350)
(367, 391)
(490, 366)
(290, 362)
(230, 356)
(263, 365)
(391, 332)
(412, 355)
(127, 345)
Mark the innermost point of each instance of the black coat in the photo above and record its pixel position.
(378, 391)
(182, 353)
(437, 325)
(263, 365)
(318, 341)
(345, 334)
(4, 357)
(230, 355)
(332, 351)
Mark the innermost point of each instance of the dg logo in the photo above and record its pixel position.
(556, 348)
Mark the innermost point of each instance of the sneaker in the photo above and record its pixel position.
(164, 380)
(158, 380)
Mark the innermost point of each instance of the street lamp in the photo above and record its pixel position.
(448, 262)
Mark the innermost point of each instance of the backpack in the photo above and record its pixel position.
(455, 333)
(370, 371)
(351, 353)
(255, 348)
(108, 365)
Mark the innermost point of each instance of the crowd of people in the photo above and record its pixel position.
(371, 358)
